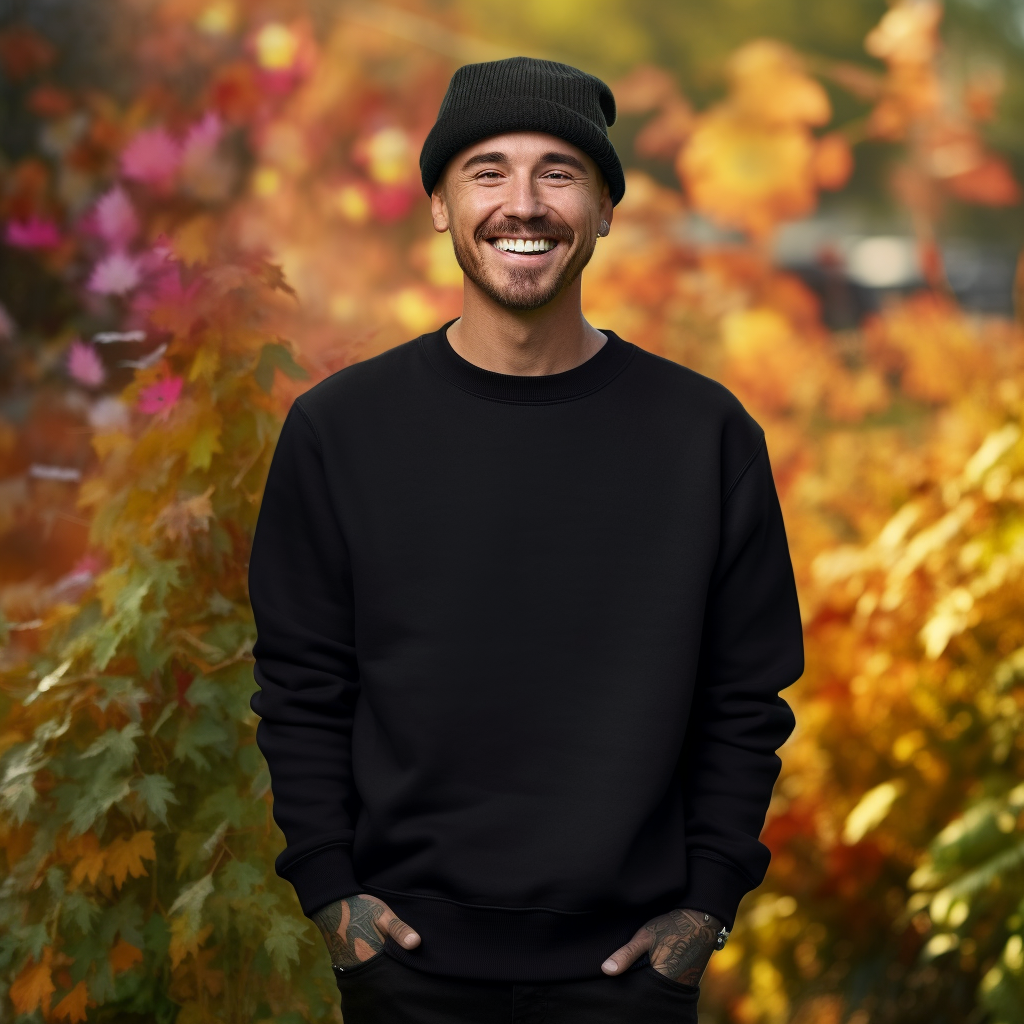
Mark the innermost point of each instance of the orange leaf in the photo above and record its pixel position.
(90, 859)
(72, 1007)
(124, 956)
(125, 855)
(33, 987)
(832, 161)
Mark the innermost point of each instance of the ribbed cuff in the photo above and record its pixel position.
(322, 877)
(714, 887)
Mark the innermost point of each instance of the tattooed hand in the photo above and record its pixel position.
(680, 944)
(355, 929)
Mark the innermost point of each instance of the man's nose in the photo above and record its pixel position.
(522, 199)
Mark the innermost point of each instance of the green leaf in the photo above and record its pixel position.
(117, 744)
(79, 911)
(156, 792)
(276, 357)
(283, 942)
(101, 793)
(199, 735)
(238, 879)
(55, 881)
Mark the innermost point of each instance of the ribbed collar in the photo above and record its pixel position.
(608, 362)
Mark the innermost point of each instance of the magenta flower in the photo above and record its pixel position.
(85, 365)
(33, 233)
(160, 398)
(115, 274)
(115, 217)
(152, 156)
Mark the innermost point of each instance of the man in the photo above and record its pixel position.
(525, 605)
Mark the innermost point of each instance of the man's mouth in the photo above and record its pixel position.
(523, 245)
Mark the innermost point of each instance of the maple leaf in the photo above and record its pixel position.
(185, 938)
(159, 398)
(85, 365)
(33, 233)
(72, 1007)
(115, 218)
(90, 859)
(124, 856)
(33, 988)
(124, 956)
(151, 157)
(115, 274)
(191, 515)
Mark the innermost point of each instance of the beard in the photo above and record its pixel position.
(522, 288)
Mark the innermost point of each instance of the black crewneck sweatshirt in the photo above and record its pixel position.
(520, 647)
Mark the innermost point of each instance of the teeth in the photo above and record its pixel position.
(523, 244)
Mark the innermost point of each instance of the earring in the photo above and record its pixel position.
(603, 229)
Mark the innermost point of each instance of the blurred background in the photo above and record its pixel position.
(208, 205)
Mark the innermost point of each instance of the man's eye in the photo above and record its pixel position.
(489, 174)
(558, 174)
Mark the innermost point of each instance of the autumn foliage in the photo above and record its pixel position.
(185, 262)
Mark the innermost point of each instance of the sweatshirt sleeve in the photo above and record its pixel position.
(301, 592)
(751, 648)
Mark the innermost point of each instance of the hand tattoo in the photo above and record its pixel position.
(683, 943)
(348, 927)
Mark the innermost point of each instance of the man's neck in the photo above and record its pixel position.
(527, 343)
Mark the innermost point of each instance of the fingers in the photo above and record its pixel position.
(390, 924)
(627, 954)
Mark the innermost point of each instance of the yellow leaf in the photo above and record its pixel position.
(205, 363)
(185, 940)
(106, 442)
(33, 987)
(109, 584)
(192, 240)
(202, 449)
(124, 956)
(72, 1007)
(125, 855)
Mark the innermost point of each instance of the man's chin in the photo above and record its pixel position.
(523, 295)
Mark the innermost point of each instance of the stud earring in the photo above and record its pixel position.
(603, 229)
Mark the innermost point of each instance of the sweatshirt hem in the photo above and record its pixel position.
(509, 944)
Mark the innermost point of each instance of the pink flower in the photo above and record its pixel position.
(33, 233)
(85, 365)
(204, 135)
(115, 217)
(115, 274)
(161, 397)
(152, 156)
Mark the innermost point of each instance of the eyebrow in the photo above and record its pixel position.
(547, 158)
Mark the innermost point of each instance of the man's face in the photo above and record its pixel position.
(523, 210)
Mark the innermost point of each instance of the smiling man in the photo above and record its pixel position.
(525, 606)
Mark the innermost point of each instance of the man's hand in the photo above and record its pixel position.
(355, 929)
(680, 944)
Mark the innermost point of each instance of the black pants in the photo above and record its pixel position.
(383, 991)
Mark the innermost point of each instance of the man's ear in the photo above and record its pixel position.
(607, 209)
(439, 211)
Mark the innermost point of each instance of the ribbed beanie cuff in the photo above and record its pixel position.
(526, 95)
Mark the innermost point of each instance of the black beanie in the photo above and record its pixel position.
(523, 94)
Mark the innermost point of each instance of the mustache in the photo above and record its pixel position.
(541, 226)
